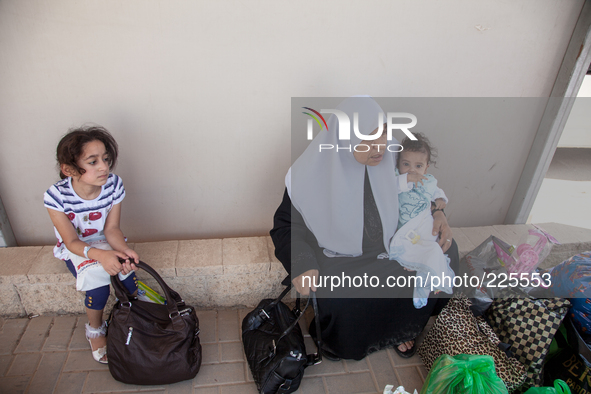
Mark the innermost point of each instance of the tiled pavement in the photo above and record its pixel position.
(50, 354)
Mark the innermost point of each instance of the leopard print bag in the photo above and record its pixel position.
(458, 331)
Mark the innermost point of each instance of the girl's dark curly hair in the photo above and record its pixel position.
(72, 144)
(422, 144)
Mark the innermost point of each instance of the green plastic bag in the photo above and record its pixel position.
(560, 387)
(463, 374)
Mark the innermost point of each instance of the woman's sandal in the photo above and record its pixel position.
(99, 354)
(407, 353)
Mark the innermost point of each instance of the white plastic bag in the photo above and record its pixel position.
(398, 390)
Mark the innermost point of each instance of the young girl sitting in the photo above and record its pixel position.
(414, 246)
(85, 208)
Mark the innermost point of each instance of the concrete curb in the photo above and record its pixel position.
(212, 273)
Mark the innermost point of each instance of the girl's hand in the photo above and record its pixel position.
(440, 203)
(129, 265)
(415, 178)
(109, 259)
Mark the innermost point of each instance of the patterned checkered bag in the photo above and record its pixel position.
(528, 325)
(458, 331)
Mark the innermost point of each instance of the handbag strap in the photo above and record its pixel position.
(316, 358)
(173, 299)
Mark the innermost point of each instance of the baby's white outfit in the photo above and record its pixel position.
(414, 246)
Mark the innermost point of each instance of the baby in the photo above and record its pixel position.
(412, 165)
(414, 246)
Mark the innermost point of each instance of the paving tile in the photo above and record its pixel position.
(249, 377)
(356, 366)
(207, 390)
(199, 257)
(207, 324)
(162, 391)
(60, 334)
(382, 369)
(11, 332)
(220, 373)
(350, 383)
(326, 367)
(66, 323)
(210, 353)
(414, 360)
(312, 386)
(102, 381)
(49, 269)
(16, 262)
(228, 328)
(232, 351)
(81, 360)
(423, 371)
(410, 378)
(245, 388)
(46, 377)
(71, 383)
(24, 364)
(242, 312)
(160, 255)
(35, 334)
(245, 255)
(14, 384)
(184, 387)
(5, 362)
(79, 341)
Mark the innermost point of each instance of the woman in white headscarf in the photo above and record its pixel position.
(338, 215)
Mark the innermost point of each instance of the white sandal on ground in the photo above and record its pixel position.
(92, 333)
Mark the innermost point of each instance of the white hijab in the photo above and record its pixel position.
(327, 187)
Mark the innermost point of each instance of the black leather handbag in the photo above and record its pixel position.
(274, 345)
(150, 343)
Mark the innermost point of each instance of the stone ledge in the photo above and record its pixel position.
(212, 273)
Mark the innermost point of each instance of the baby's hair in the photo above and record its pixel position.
(422, 144)
(71, 145)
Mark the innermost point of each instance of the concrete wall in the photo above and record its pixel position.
(197, 93)
(577, 131)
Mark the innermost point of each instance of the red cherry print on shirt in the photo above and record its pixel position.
(89, 231)
(71, 216)
(94, 216)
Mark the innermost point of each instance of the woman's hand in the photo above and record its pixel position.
(440, 203)
(129, 265)
(303, 286)
(441, 228)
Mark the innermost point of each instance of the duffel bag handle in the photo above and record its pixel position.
(315, 358)
(173, 299)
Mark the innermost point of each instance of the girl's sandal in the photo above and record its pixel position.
(99, 354)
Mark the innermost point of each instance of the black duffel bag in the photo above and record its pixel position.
(149, 343)
(274, 345)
